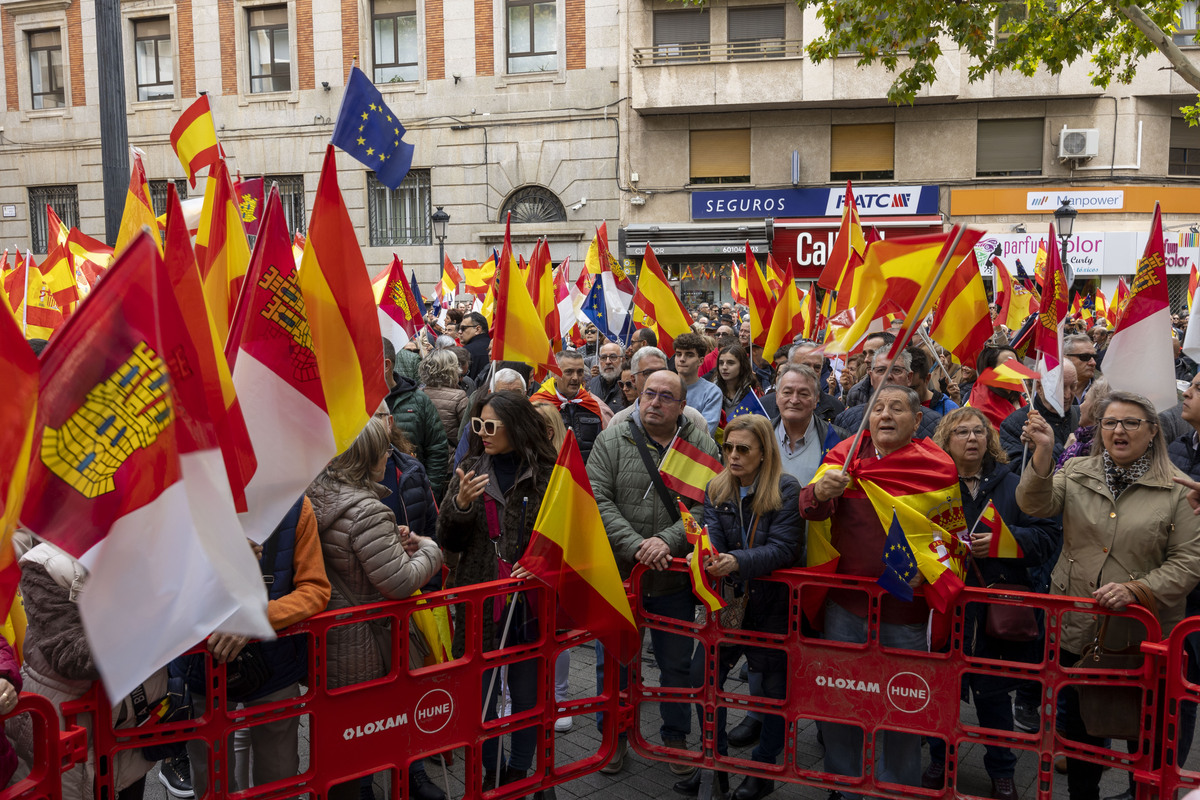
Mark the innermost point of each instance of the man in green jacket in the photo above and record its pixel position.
(642, 529)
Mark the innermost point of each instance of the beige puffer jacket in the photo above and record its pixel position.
(364, 558)
(451, 405)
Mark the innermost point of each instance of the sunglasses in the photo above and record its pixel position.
(626, 384)
(741, 449)
(487, 427)
(1083, 356)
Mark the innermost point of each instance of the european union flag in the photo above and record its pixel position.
(595, 309)
(749, 405)
(899, 563)
(368, 130)
(831, 440)
(416, 290)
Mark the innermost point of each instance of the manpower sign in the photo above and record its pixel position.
(1023, 201)
(1087, 200)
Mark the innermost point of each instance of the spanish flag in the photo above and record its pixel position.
(762, 302)
(518, 334)
(787, 320)
(19, 373)
(1010, 374)
(91, 257)
(139, 212)
(31, 298)
(570, 553)
(849, 249)
(686, 470)
(702, 548)
(221, 248)
(1003, 544)
(539, 280)
(1120, 300)
(1016, 302)
(962, 322)
(449, 283)
(737, 283)
(480, 277)
(194, 139)
(341, 312)
(656, 306)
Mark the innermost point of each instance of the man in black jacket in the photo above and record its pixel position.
(606, 386)
(473, 333)
(1062, 424)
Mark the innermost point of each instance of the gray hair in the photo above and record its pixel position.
(1160, 462)
(904, 359)
(509, 375)
(642, 354)
(910, 394)
(1076, 338)
(443, 342)
(803, 370)
(439, 370)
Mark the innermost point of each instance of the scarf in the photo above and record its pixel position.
(1120, 478)
(549, 394)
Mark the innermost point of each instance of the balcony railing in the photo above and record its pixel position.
(706, 52)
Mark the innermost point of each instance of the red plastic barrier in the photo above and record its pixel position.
(57, 751)
(1182, 696)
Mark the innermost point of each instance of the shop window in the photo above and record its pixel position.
(1008, 147)
(65, 202)
(862, 152)
(154, 59)
(681, 36)
(1184, 154)
(270, 50)
(532, 32)
(158, 194)
(720, 156)
(394, 37)
(399, 216)
(533, 204)
(291, 195)
(1185, 34)
(46, 69)
(756, 32)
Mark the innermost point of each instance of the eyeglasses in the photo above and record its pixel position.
(665, 399)
(895, 372)
(646, 373)
(1083, 356)
(1128, 424)
(485, 426)
(611, 357)
(626, 384)
(742, 449)
(967, 433)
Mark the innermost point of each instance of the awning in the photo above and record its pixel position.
(808, 240)
(722, 239)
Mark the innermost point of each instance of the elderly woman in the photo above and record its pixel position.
(439, 373)
(1124, 520)
(984, 477)
(752, 512)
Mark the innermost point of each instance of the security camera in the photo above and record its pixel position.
(582, 202)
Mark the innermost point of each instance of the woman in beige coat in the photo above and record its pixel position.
(1124, 520)
(439, 374)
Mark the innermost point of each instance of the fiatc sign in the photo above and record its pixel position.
(814, 202)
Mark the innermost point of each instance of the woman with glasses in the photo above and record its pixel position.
(735, 376)
(984, 478)
(1124, 520)
(628, 387)
(486, 521)
(752, 512)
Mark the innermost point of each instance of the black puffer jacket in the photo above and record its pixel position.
(1010, 431)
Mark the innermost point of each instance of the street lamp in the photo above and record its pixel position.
(1064, 220)
(440, 219)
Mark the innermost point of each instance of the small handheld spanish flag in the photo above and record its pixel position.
(702, 582)
(1003, 544)
(1009, 375)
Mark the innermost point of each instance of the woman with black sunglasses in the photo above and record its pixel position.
(485, 523)
(628, 386)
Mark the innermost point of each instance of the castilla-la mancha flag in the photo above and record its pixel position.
(1138, 358)
(128, 477)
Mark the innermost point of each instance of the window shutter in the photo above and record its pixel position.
(1183, 135)
(753, 24)
(720, 154)
(863, 148)
(1009, 145)
(680, 27)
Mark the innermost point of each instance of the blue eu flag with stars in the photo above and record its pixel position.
(750, 404)
(368, 130)
(595, 309)
(899, 563)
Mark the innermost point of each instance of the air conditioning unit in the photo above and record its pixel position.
(1079, 143)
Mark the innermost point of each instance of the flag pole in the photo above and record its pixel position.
(930, 345)
(902, 342)
(25, 307)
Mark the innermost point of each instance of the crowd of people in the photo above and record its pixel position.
(443, 486)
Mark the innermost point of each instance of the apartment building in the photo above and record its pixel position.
(731, 134)
(511, 104)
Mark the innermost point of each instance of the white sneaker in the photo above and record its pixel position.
(564, 724)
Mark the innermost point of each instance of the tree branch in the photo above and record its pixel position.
(1165, 44)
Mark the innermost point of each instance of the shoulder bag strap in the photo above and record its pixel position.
(655, 478)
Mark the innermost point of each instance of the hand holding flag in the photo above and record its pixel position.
(702, 549)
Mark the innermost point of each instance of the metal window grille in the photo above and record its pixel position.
(65, 202)
(46, 86)
(270, 50)
(1177, 286)
(158, 194)
(394, 40)
(532, 204)
(154, 58)
(291, 193)
(400, 216)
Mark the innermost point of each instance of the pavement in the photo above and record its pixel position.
(643, 779)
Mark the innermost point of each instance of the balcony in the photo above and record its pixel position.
(732, 76)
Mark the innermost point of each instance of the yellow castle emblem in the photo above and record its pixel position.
(123, 414)
(286, 310)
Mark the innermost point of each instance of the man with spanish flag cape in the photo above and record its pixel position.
(581, 411)
(890, 476)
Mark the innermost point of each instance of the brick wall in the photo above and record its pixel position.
(304, 45)
(484, 38)
(225, 12)
(186, 49)
(350, 40)
(75, 45)
(576, 35)
(435, 40)
(12, 98)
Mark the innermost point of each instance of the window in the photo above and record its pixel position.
(158, 194)
(65, 202)
(862, 152)
(532, 36)
(531, 204)
(720, 156)
(1184, 155)
(154, 59)
(1185, 34)
(681, 36)
(756, 32)
(291, 195)
(400, 216)
(46, 69)
(1006, 147)
(1014, 13)
(270, 54)
(395, 38)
